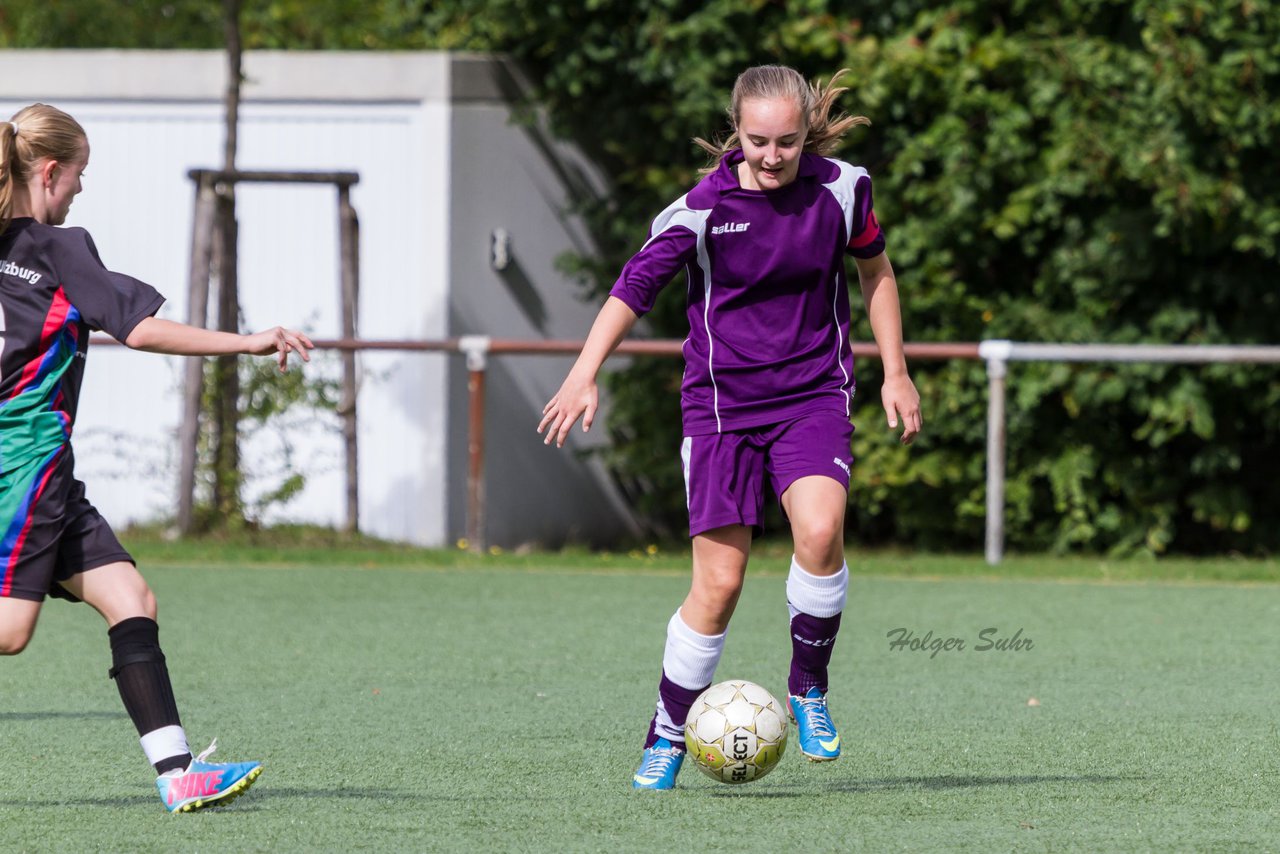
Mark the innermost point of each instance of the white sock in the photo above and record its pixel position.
(816, 595)
(689, 661)
(164, 742)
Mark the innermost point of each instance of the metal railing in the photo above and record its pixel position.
(479, 348)
(996, 353)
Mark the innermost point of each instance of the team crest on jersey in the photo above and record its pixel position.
(730, 227)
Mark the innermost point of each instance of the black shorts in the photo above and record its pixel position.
(54, 535)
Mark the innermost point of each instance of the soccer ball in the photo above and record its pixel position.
(736, 732)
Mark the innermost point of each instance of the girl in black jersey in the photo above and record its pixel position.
(53, 290)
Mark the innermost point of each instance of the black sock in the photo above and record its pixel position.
(143, 681)
(173, 763)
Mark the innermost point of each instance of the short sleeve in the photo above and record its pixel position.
(672, 244)
(866, 238)
(112, 302)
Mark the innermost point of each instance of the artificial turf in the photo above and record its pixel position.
(481, 705)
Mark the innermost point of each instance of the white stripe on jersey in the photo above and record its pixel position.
(840, 339)
(678, 213)
(686, 459)
(845, 189)
(704, 261)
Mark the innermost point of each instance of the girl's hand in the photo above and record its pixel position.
(280, 341)
(576, 399)
(900, 398)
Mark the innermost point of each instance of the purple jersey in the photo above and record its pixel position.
(768, 300)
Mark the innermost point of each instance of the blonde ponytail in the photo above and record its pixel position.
(34, 133)
(8, 157)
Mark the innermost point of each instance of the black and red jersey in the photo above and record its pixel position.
(54, 289)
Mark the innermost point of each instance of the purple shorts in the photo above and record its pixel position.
(724, 473)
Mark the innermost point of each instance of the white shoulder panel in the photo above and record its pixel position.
(844, 188)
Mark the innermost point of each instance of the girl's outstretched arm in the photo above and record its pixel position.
(178, 339)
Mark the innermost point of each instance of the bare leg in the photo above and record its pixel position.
(719, 565)
(816, 505)
(17, 624)
(817, 588)
(117, 591)
(695, 633)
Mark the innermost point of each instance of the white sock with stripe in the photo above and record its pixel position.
(688, 665)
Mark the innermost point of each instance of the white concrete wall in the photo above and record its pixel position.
(411, 125)
(150, 118)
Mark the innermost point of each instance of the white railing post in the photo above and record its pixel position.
(996, 354)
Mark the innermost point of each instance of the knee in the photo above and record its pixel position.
(721, 589)
(138, 602)
(819, 544)
(117, 591)
(14, 641)
(150, 608)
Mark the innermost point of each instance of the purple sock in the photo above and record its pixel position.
(812, 640)
(673, 705)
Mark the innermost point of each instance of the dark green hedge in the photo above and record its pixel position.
(1077, 172)
(1085, 171)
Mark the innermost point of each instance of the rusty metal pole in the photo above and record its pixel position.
(476, 349)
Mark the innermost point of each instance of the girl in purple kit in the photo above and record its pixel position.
(767, 385)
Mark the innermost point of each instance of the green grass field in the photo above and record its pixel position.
(409, 701)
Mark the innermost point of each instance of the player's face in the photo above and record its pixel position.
(62, 186)
(772, 132)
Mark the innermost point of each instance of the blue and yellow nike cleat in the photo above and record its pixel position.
(819, 741)
(206, 784)
(659, 766)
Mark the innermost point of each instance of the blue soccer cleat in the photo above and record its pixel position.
(659, 766)
(819, 741)
(206, 784)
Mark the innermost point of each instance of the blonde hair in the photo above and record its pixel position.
(33, 134)
(814, 100)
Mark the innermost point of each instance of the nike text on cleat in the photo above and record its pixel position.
(206, 784)
(659, 766)
(816, 732)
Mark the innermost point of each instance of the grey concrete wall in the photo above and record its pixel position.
(512, 176)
